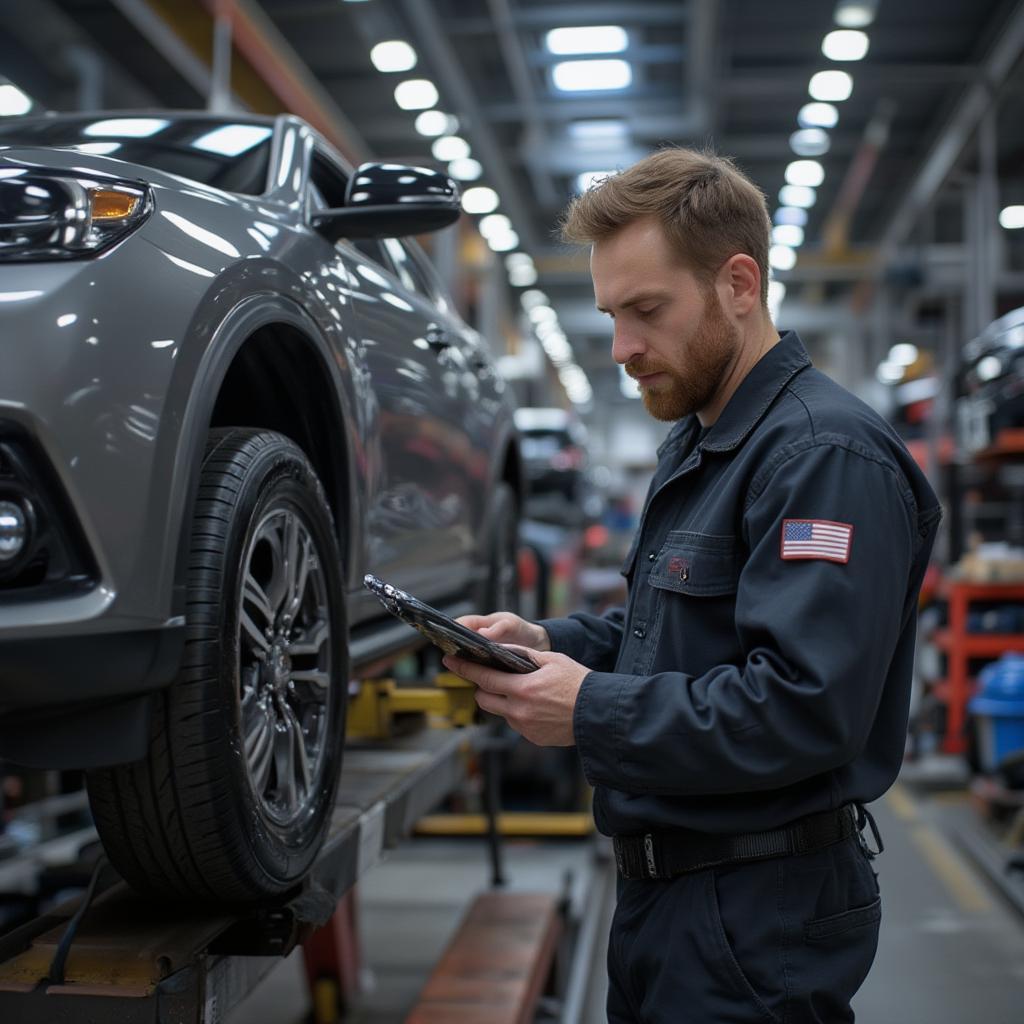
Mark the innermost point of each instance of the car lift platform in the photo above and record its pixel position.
(132, 962)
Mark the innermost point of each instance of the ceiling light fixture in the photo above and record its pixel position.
(450, 147)
(791, 215)
(480, 199)
(522, 276)
(788, 234)
(1011, 218)
(588, 179)
(830, 86)
(504, 242)
(818, 115)
(494, 224)
(595, 130)
(852, 14)
(797, 195)
(845, 44)
(782, 257)
(587, 39)
(534, 297)
(434, 122)
(465, 170)
(591, 75)
(805, 172)
(809, 142)
(904, 354)
(416, 94)
(393, 55)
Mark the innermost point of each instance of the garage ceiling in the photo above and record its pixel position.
(730, 74)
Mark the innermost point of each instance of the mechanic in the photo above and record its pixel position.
(753, 694)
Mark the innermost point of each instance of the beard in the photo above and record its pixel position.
(706, 357)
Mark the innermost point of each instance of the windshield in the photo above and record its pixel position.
(232, 156)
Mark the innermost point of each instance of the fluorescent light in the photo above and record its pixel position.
(135, 127)
(818, 115)
(809, 142)
(587, 39)
(532, 298)
(480, 199)
(465, 170)
(797, 195)
(588, 179)
(450, 147)
(522, 276)
(791, 215)
(904, 354)
(591, 75)
(517, 259)
(989, 368)
(890, 373)
(494, 224)
(13, 101)
(232, 139)
(542, 314)
(504, 242)
(434, 122)
(850, 14)
(597, 130)
(416, 94)
(805, 172)
(393, 55)
(845, 44)
(782, 257)
(788, 234)
(830, 86)
(1012, 217)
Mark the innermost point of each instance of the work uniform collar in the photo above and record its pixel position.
(776, 368)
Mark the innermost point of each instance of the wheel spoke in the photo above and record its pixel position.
(320, 679)
(284, 763)
(256, 597)
(312, 639)
(256, 635)
(302, 756)
(300, 575)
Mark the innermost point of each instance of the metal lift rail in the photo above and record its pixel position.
(133, 963)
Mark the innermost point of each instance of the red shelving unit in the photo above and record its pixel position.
(960, 647)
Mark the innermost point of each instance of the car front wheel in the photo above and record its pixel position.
(234, 798)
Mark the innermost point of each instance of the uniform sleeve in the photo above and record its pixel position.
(817, 637)
(592, 640)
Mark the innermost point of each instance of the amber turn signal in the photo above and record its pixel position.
(109, 204)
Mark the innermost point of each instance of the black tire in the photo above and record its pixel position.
(234, 798)
(502, 589)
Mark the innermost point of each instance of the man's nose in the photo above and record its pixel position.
(625, 344)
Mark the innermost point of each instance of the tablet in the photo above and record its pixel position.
(444, 632)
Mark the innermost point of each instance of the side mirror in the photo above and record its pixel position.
(392, 200)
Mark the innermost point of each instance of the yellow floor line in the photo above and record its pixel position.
(967, 893)
(901, 804)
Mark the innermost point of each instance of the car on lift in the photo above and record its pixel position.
(231, 386)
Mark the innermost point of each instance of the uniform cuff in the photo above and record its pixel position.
(595, 727)
(567, 636)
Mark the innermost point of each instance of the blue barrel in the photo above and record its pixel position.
(998, 708)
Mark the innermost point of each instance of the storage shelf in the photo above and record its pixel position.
(979, 645)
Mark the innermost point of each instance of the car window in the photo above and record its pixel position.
(435, 289)
(406, 269)
(233, 156)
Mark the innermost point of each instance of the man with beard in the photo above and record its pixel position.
(752, 695)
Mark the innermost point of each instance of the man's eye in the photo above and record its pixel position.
(647, 312)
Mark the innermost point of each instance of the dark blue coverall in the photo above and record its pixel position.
(760, 672)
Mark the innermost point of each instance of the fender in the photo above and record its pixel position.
(235, 329)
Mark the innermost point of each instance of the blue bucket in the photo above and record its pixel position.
(999, 710)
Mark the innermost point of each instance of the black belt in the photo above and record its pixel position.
(665, 854)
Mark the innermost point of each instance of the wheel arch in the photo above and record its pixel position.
(269, 367)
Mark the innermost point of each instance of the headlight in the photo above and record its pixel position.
(45, 217)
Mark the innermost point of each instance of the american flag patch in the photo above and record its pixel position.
(816, 538)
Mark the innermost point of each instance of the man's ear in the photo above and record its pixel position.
(739, 284)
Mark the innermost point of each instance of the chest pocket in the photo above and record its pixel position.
(699, 564)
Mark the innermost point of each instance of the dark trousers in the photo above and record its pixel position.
(782, 941)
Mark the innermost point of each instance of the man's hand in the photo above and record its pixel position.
(507, 628)
(538, 705)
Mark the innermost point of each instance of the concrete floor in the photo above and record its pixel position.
(951, 950)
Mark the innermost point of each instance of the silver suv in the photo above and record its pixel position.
(229, 388)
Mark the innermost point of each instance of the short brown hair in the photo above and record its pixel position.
(709, 209)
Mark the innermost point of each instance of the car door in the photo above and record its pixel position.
(416, 515)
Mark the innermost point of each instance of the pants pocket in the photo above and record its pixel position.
(738, 977)
(838, 924)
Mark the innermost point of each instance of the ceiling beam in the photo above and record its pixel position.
(956, 131)
(568, 15)
(432, 37)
